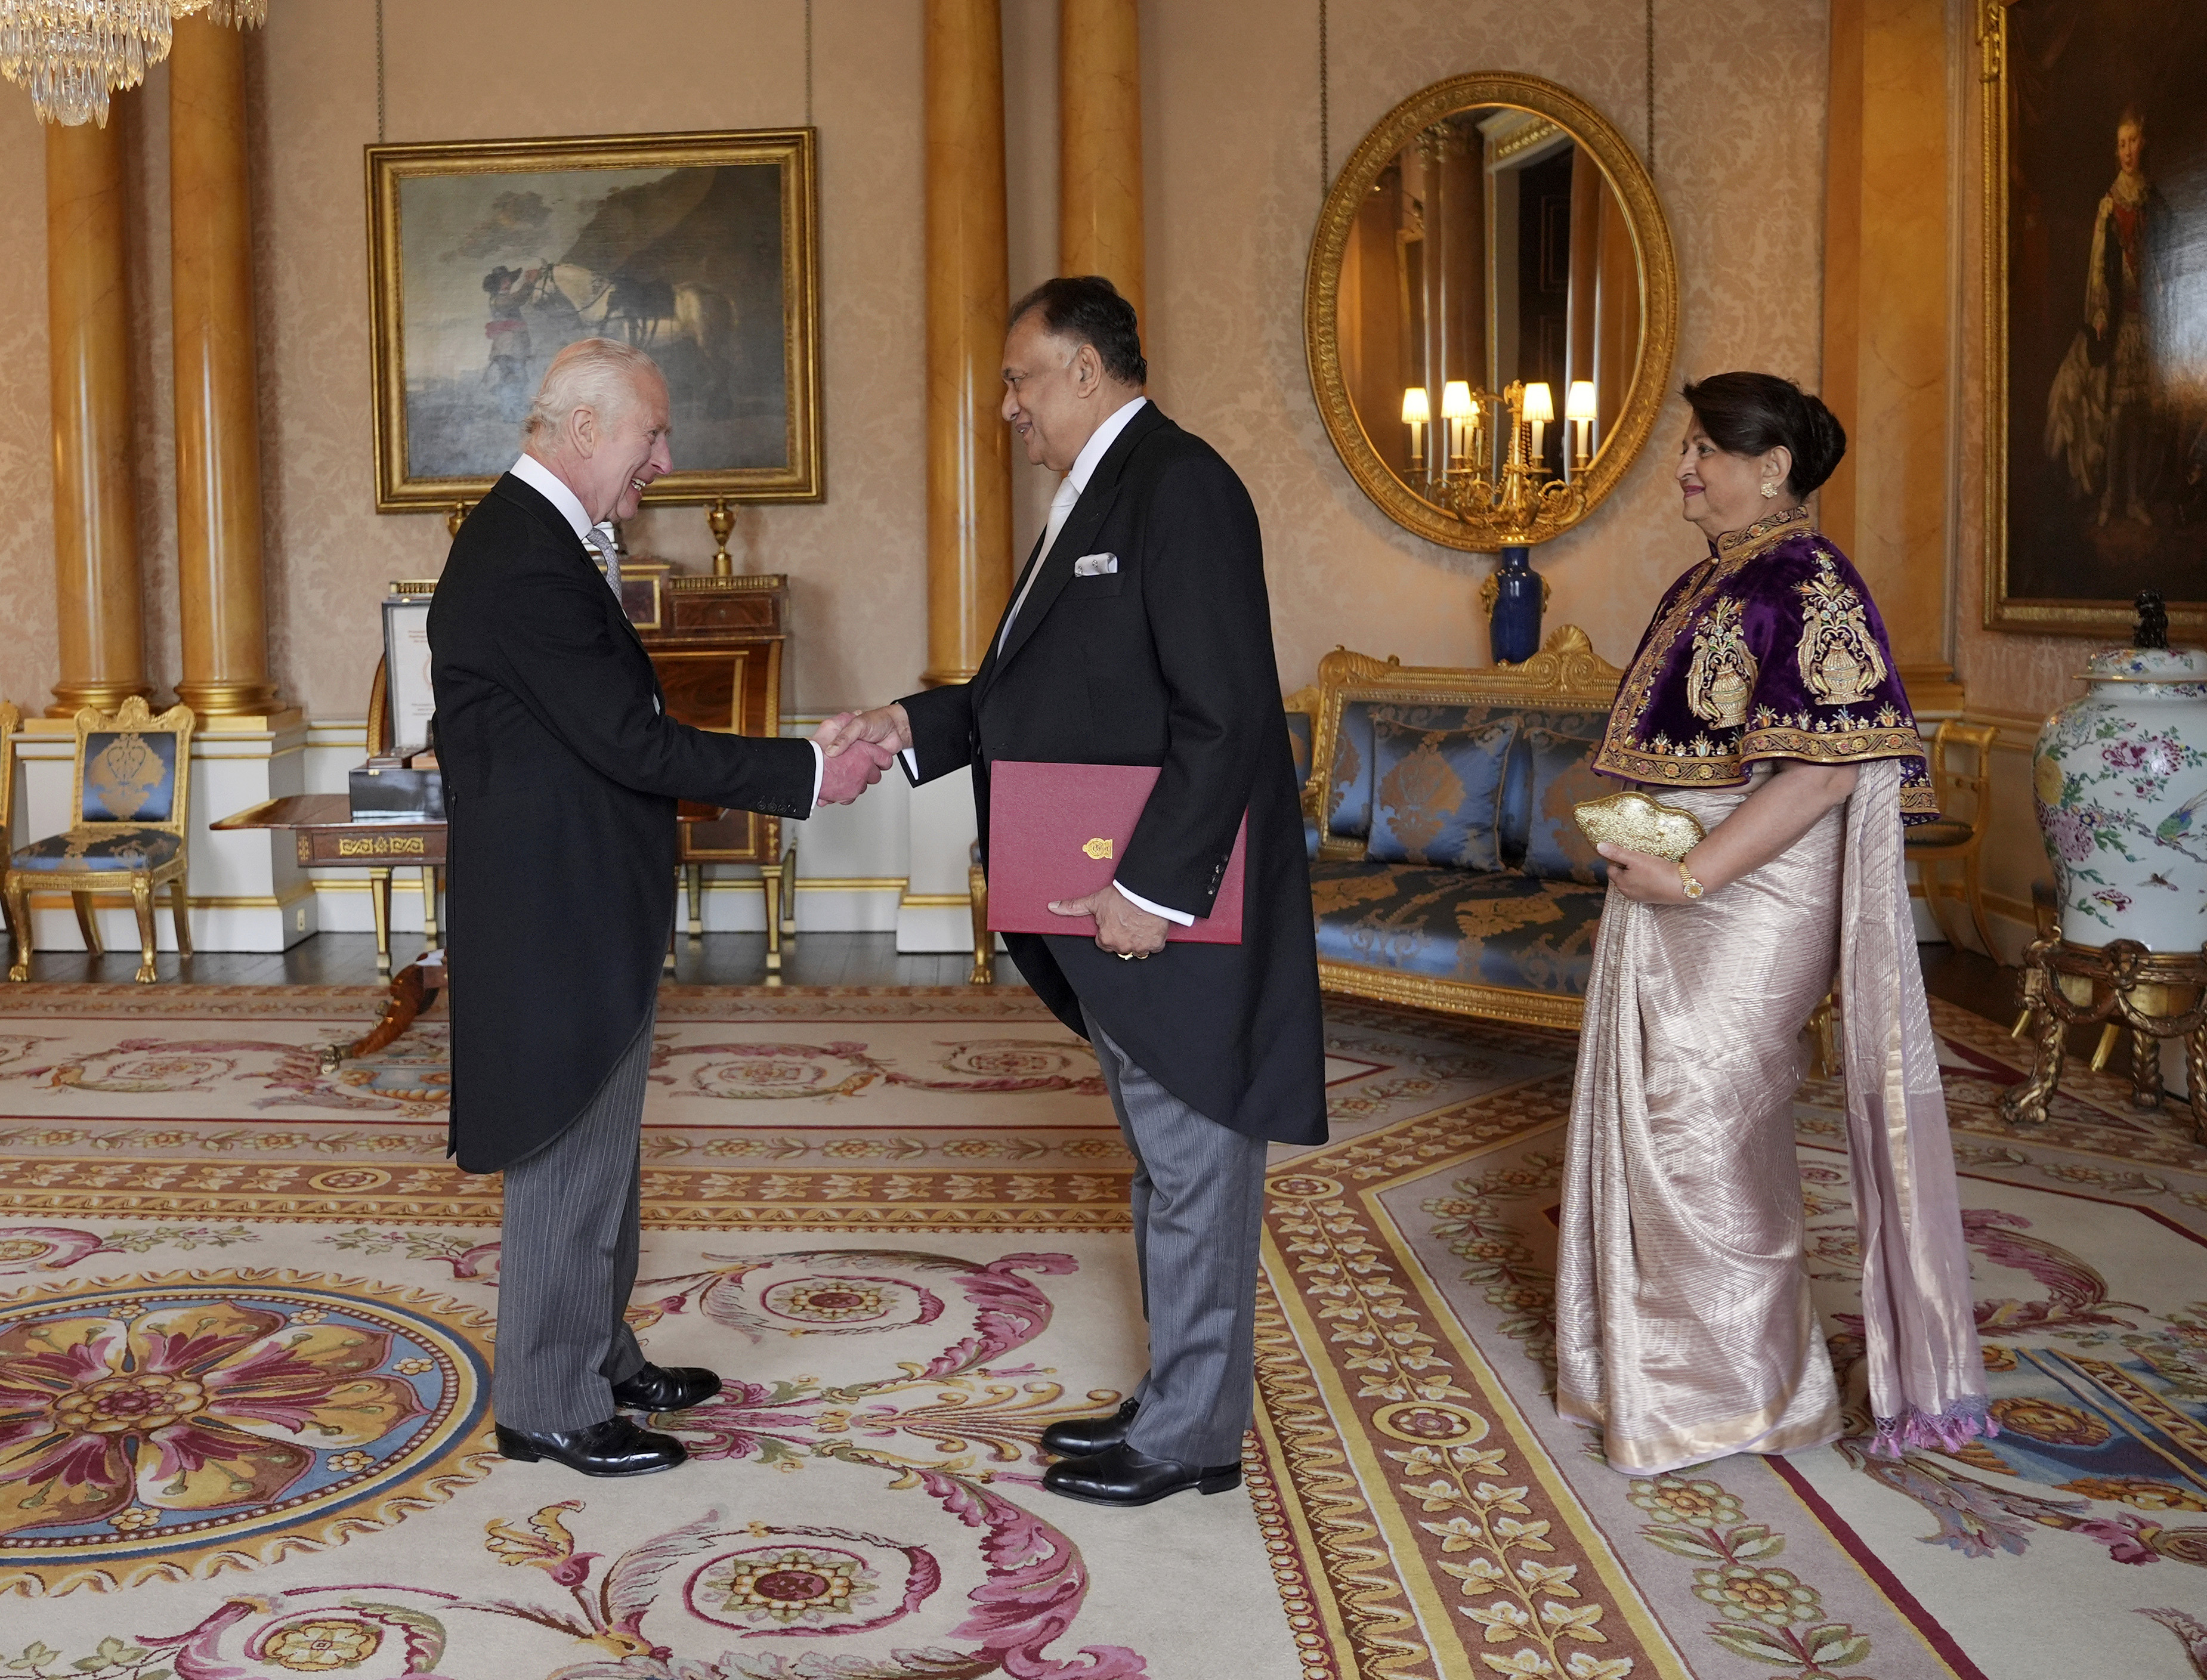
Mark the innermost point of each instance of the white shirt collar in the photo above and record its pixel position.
(1083, 464)
(549, 485)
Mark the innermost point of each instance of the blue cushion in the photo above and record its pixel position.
(1516, 820)
(128, 777)
(119, 849)
(1436, 792)
(1562, 766)
(1503, 929)
(1299, 744)
(1349, 786)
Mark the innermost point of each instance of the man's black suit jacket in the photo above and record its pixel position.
(562, 773)
(1166, 661)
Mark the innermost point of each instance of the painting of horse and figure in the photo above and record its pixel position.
(487, 258)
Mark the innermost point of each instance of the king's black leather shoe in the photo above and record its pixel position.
(616, 1447)
(666, 1388)
(1077, 1437)
(1121, 1476)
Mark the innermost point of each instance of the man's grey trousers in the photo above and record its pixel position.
(1198, 1206)
(567, 1261)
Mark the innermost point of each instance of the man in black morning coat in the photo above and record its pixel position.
(562, 772)
(1139, 633)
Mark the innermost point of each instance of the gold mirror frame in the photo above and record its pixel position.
(1659, 302)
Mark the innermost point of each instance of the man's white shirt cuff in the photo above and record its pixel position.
(911, 757)
(819, 770)
(1181, 916)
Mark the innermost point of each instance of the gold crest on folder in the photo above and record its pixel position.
(1098, 848)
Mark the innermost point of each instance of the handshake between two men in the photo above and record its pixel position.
(858, 746)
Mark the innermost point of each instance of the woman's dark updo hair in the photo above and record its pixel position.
(1750, 414)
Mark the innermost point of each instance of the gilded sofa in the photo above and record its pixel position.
(1446, 872)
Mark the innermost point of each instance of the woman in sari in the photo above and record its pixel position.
(1764, 700)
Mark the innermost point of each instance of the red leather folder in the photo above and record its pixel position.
(1057, 831)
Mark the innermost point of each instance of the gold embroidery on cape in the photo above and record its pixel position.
(1840, 661)
(1723, 673)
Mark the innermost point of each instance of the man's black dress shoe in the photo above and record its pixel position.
(1121, 1476)
(666, 1388)
(616, 1447)
(1077, 1437)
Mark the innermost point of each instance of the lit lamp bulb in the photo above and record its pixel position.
(1579, 409)
(1417, 411)
(1457, 409)
(1539, 408)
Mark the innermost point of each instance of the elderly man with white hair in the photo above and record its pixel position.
(562, 774)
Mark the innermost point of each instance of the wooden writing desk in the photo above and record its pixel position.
(323, 827)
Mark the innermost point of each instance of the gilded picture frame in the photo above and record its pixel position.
(1655, 257)
(2092, 494)
(701, 248)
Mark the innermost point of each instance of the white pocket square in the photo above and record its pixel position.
(1095, 565)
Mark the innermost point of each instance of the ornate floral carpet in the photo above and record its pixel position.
(245, 1314)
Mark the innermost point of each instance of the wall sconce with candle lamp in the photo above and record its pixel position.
(1491, 242)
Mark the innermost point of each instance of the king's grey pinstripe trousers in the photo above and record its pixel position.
(567, 1261)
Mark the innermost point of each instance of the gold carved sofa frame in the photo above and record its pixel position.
(1566, 674)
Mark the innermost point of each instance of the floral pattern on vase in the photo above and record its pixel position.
(2120, 781)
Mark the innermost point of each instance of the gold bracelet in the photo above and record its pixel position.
(1692, 888)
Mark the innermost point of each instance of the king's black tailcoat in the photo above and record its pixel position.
(562, 773)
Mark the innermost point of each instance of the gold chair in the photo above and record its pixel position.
(1955, 839)
(132, 796)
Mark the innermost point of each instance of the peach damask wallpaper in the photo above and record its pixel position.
(1233, 180)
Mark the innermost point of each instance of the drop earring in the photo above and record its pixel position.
(1769, 492)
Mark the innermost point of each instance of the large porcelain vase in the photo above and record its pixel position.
(2120, 779)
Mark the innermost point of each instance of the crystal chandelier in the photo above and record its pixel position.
(72, 54)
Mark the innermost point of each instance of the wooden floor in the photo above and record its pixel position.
(717, 960)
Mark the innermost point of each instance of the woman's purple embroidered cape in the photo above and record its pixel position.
(1770, 649)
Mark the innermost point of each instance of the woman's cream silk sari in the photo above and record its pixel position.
(1683, 1326)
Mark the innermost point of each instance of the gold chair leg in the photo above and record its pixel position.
(984, 943)
(789, 893)
(18, 892)
(429, 873)
(2105, 1047)
(1935, 893)
(141, 901)
(88, 923)
(378, 895)
(180, 911)
(693, 882)
(771, 886)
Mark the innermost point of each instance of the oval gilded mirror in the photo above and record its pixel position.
(1490, 311)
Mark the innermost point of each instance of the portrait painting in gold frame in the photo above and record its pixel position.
(486, 257)
(2096, 299)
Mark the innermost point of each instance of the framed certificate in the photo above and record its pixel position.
(413, 701)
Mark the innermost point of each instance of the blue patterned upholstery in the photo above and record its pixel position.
(1562, 777)
(1437, 792)
(1348, 788)
(1494, 927)
(128, 777)
(1299, 744)
(116, 849)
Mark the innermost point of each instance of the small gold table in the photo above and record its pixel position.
(2157, 994)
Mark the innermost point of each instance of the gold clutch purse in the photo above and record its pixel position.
(1644, 824)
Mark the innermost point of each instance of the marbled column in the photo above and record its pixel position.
(969, 464)
(222, 604)
(96, 574)
(1100, 158)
